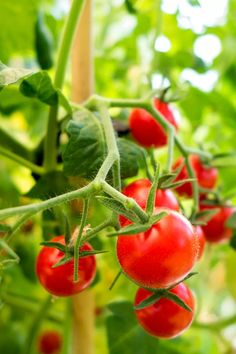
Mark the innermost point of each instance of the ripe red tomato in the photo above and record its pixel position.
(138, 190)
(49, 342)
(206, 176)
(161, 256)
(59, 281)
(216, 230)
(146, 130)
(201, 239)
(166, 319)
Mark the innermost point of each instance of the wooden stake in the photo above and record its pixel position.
(82, 88)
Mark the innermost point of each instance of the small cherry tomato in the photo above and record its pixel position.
(201, 239)
(49, 342)
(216, 230)
(59, 281)
(146, 130)
(161, 256)
(206, 176)
(138, 190)
(165, 318)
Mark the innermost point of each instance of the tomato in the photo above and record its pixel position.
(216, 230)
(206, 176)
(162, 255)
(202, 240)
(146, 130)
(166, 319)
(138, 190)
(49, 342)
(59, 281)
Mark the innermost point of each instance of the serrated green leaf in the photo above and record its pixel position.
(52, 244)
(86, 148)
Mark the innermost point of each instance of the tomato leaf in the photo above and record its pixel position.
(117, 207)
(86, 150)
(152, 193)
(131, 158)
(57, 245)
(156, 218)
(206, 215)
(10, 76)
(131, 230)
(90, 253)
(63, 261)
(177, 184)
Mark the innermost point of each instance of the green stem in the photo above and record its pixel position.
(78, 239)
(192, 174)
(36, 323)
(97, 229)
(50, 147)
(171, 143)
(217, 325)
(14, 145)
(129, 202)
(21, 160)
(28, 304)
(32, 209)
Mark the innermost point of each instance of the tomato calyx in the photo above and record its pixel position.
(157, 294)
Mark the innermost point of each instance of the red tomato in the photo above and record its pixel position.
(59, 281)
(201, 239)
(138, 190)
(166, 319)
(49, 342)
(146, 130)
(206, 176)
(161, 256)
(216, 230)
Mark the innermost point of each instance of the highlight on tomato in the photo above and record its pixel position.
(206, 176)
(146, 130)
(161, 256)
(139, 190)
(202, 240)
(59, 281)
(165, 318)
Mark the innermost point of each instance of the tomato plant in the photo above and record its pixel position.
(166, 319)
(104, 165)
(146, 130)
(59, 281)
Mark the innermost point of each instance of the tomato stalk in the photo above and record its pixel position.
(50, 148)
(35, 325)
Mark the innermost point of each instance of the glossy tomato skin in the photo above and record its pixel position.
(166, 319)
(206, 176)
(161, 256)
(146, 130)
(49, 342)
(138, 190)
(216, 230)
(202, 240)
(59, 281)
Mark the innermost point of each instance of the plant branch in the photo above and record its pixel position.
(21, 160)
(50, 147)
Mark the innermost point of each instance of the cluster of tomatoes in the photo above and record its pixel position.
(165, 254)
(159, 258)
